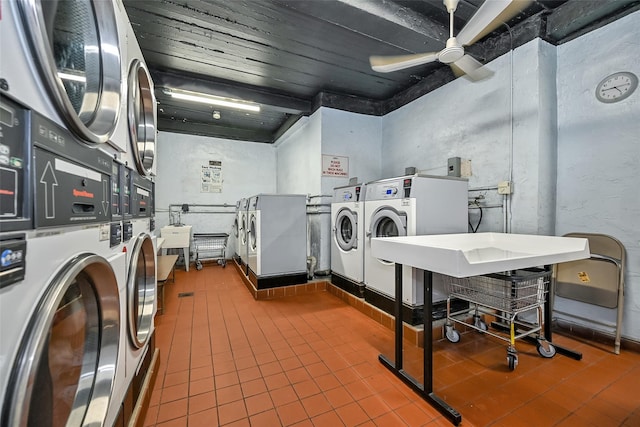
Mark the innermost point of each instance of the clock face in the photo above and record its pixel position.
(616, 87)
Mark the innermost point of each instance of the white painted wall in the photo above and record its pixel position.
(599, 153)
(299, 159)
(247, 168)
(356, 136)
(474, 120)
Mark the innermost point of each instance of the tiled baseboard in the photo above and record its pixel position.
(281, 291)
(574, 330)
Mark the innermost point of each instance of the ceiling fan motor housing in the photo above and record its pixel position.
(452, 52)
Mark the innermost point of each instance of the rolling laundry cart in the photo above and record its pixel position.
(210, 247)
(503, 295)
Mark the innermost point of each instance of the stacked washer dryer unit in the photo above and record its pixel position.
(347, 239)
(62, 260)
(140, 290)
(277, 240)
(409, 206)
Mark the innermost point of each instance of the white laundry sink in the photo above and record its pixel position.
(465, 255)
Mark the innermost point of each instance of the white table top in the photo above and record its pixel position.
(472, 254)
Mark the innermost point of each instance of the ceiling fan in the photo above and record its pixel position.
(490, 15)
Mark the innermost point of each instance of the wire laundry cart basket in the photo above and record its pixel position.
(505, 296)
(210, 247)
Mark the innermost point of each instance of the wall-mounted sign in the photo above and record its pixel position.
(211, 177)
(335, 165)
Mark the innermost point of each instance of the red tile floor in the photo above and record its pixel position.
(311, 360)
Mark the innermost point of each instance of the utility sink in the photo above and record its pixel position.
(473, 254)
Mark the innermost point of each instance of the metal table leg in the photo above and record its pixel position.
(423, 390)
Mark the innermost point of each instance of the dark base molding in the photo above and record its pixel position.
(413, 315)
(354, 288)
(276, 281)
(573, 330)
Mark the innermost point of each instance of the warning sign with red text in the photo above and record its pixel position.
(335, 165)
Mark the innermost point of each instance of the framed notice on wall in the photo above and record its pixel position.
(337, 166)
(211, 177)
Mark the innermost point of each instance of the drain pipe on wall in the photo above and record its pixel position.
(316, 236)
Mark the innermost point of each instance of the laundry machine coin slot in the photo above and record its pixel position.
(13, 250)
(127, 231)
(115, 234)
(83, 208)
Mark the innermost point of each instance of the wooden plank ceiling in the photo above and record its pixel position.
(292, 56)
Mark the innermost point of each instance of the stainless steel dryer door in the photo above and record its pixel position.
(142, 117)
(65, 367)
(346, 229)
(141, 290)
(76, 47)
(388, 222)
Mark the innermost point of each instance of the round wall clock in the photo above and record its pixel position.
(616, 87)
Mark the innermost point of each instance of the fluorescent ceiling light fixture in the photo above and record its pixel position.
(212, 100)
(72, 76)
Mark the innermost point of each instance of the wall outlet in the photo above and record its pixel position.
(505, 187)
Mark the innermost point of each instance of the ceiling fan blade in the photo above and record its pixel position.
(457, 71)
(488, 17)
(387, 64)
(472, 68)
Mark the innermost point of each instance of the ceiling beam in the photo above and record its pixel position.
(574, 15)
(267, 100)
(371, 18)
(223, 132)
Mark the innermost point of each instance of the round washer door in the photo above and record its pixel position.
(253, 230)
(243, 230)
(142, 117)
(387, 222)
(77, 50)
(141, 290)
(65, 367)
(346, 231)
(236, 228)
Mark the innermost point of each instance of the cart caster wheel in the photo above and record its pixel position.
(512, 360)
(451, 334)
(198, 266)
(224, 264)
(479, 323)
(546, 349)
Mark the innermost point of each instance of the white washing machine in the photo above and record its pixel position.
(141, 283)
(82, 76)
(277, 240)
(60, 330)
(347, 238)
(243, 232)
(409, 206)
(238, 227)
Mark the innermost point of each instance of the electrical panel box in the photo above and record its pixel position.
(454, 166)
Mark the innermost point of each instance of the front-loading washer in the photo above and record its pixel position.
(77, 84)
(238, 228)
(60, 331)
(277, 240)
(409, 206)
(347, 238)
(59, 301)
(243, 232)
(141, 284)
